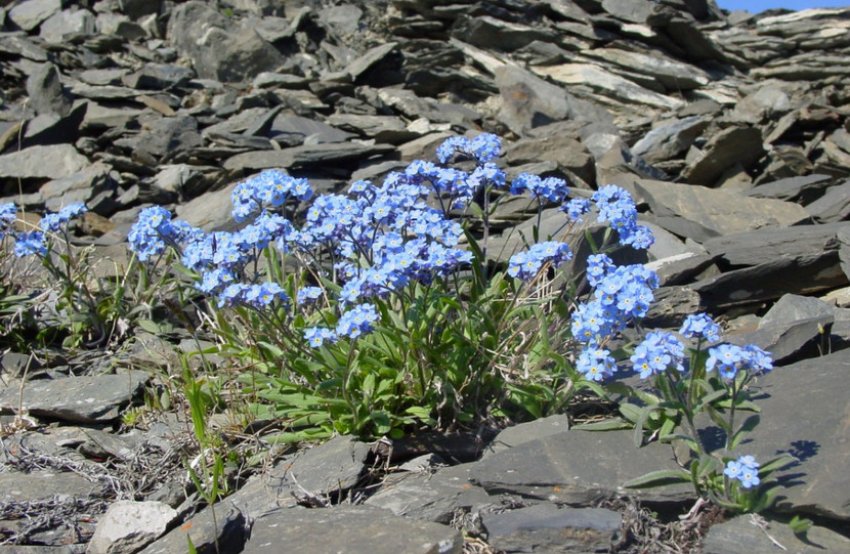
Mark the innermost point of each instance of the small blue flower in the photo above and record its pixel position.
(700, 326)
(317, 336)
(658, 351)
(308, 295)
(8, 214)
(596, 363)
(743, 470)
(29, 244)
(357, 321)
(53, 223)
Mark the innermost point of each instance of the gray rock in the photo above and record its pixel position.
(832, 206)
(218, 528)
(61, 26)
(524, 432)
(609, 84)
(45, 91)
(755, 535)
(306, 130)
(791, 308)
(785, 340)
(633, 11)
(669, 140)
(209, 211)
(735, 145)
(43, 484)
(30, 14)
(80, 399)
(140, 8)
(704, 213)
(792, 188)
(300, 156)
(814, 433)
(683, 268)
(51, 162)
(844, 249)
(361, 65)
(806, 274)
(155, 76)
(128, 526)
(489, 32)
(438, 497)
(527, 100)
(547, 528)
(771, 243)
(568, 153)
(382, 128)
(238, 54)
(556, 468)
(77, 187)
(673, 75)
(355, 529)
(165, 137)
(414, 107)
(334, 466)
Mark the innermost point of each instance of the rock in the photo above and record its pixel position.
(50, 162)
(238, 53)
(771, 243)
(555, 468)
(332, 467)
(832, 206)
(756, 535)
(46, 94)
(157, 77)
(569, 154)
(607, 83)
(708, 213)
(673, 75)
(79, 399)
(355, 529)
(81, 186)
(128, 526)
(300, 156)
(209, 211)
(489, 32)
(31, 13)
(668, 140)
(788, 340)
(226, 530)
(844, 249)
(166, 137)
(67, 24)
(361, 65)
(524, 432)
(815, 484)
(791, 308)
(527, 100)
(552, 529)
(735, 145)
(306, 130)
(42, 485)
(437, 497)
(804, 189)
(679, 269)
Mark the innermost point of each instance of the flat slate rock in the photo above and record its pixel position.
(46, 162)
(524, 432)
(303, 156)
(812, 428)
(349, 529)
(44, 484)
(578, 468)
(716, 212)
(128, 526)
(764, 245)
(753, 535)
(735, 145)
(438, 497)
(79, 399)
(550, 529)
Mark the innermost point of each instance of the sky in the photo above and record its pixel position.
(756, 6)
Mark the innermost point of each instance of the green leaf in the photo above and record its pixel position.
(614, 424)
(631, 412)
(749, 424)
(800, 526)
(659, 479)
(149, 326)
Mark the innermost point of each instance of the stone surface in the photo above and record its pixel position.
(755, 535)
(51, 162)
(555, 468)
(552, 529)
(129, 526)
(735, 145)
(354, 529)
(43, 485)
(30, 14)
(79, 399)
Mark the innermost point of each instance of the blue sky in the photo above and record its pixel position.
(756, 6)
